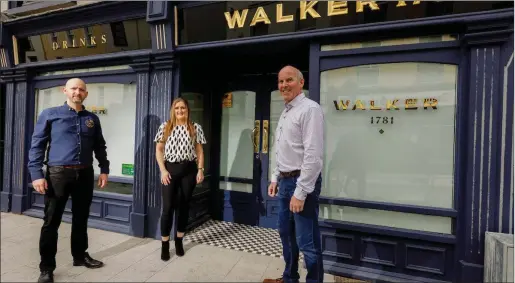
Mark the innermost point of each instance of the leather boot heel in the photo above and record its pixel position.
(165, 250)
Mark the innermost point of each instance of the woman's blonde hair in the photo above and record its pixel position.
(172, 122)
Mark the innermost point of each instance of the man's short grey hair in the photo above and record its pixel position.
(299, 74)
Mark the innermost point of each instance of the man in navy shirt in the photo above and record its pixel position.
(68, 135)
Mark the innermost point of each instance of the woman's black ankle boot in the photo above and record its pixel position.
(165, 250)
(179, 249)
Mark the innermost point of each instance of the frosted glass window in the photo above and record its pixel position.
(403, 156)
(436, 224)
(236, 156)
(115, 105)
(387, 42)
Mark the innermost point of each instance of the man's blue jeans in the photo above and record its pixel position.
(300, 231)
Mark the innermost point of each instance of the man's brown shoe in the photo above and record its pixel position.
(278, 280)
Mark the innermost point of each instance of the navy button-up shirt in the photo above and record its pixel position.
(71, 136)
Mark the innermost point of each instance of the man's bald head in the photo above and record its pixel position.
(76, 91)
(290, 82)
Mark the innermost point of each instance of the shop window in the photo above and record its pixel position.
(115, 105)
(403, 156)
(388, 42)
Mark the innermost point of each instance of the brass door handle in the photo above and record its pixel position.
(255, 135)
(265, 136)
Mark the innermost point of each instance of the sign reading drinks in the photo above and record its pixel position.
(240, 19)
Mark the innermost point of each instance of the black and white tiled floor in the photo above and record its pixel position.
(251, 239)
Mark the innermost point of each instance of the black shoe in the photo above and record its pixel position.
(88, 262)
(165, 250)
(179, 249)
(46, 277)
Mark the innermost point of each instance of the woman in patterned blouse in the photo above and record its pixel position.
(180, 157)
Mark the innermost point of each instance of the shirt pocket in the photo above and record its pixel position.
(88, 127)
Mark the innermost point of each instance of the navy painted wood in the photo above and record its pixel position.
(5, 204)
(505, 146)
(158, 11)
(161, 96)
(81, 16)
(20, 201)
(141, 158)
(108, 211)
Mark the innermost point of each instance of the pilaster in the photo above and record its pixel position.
(479, 204)
(141, 66)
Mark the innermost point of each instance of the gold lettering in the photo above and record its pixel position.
(373, 107)
(306, 8)
(361, 4)
(65, 44)
(73, 43)
(282, 18)
(82, 42)
(334, 8)
(416, 2)
(260, 16)
(430, 102)
(93, 42)
(340, 105)
(401, 3)
(411, 104)
(391, 104)
(55, 45)
(104, 40)
(236, 18)
(359, 105)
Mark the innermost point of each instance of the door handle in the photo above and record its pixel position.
(265, 136)
(255, 135)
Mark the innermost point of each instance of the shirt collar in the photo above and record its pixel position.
(295, 101)
(66, 106)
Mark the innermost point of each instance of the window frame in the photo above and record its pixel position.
(445, 52)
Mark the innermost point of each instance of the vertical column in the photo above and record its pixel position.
(20, 146)
(139, 213)
(161, 96)
(480, 206)
(505, 155)
(6, 194)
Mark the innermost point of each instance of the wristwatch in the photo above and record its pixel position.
(200, 168)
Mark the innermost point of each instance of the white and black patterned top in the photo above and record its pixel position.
(178, 146)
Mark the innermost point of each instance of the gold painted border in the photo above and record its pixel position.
(175, 26)
(164, 35)
(3, 58)
(15, 51)
(158, 39)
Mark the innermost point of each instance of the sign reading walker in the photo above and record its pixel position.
(240, 19)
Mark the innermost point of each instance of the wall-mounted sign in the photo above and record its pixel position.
(128, 169)
(227, 101)
(84, 41)
(334, 8)
(393, 104)
(97, 110)
(90, 41)
(239, 19)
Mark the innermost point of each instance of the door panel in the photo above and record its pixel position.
(239, 136)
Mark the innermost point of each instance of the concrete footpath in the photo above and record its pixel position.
(128, 259)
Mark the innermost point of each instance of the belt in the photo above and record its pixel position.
(295, 173)
(182, 162)
(73, 166)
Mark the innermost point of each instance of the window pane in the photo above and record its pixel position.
(393, 219)
(399, 155)
(115, 105)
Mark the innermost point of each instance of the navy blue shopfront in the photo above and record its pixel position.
(417, 97)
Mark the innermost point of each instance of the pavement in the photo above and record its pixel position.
(129, 259)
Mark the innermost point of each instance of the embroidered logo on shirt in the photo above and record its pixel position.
(90, 123)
